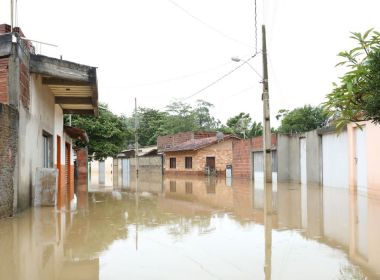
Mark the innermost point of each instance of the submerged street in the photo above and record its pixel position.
(196, 228)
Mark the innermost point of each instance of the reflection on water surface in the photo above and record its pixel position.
(197, 228)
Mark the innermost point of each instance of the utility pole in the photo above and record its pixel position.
(136, 142)
(12, 13)
(267, 153)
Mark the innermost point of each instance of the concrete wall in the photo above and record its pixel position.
(95, 172)
(372, 150)
(8, 156)
(335, 160)
(40, 118)
(288, 152)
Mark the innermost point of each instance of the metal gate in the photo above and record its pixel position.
(258, 165)
(102, 173)
(125, 171)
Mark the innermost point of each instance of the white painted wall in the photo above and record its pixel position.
(43, 115)
(32, 124)
(335, 160)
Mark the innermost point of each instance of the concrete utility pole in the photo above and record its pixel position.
(267, 153)
(136, 141)
(12, 15)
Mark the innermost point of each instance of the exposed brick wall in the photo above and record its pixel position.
(242, 159)
(71, 183)
(169, 141)
(82, 158)
(4, 98)
(5, 28)
(24, 86)
(204, 134)
(221, 151)
(8, 151)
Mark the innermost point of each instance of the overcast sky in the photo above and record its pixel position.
(164, 50)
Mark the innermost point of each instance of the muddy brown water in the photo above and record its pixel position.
(197, 228)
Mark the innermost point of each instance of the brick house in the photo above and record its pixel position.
(200, 156)
(35, 93)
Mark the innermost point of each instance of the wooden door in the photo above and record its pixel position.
(210, 162)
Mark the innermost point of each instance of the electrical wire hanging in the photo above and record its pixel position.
(208, 25)
(219, 79)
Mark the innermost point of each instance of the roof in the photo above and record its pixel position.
(143, 151)
(197, 144)
(73, 85)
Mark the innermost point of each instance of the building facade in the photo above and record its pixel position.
(35, 93)
(200, 156)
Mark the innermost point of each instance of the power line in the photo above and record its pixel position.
(181, 77)
(208, 25)
(218, 80)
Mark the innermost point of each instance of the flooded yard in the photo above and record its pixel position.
(197, 228)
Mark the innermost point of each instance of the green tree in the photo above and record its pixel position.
(108, 133)
(301, 119)
(203, 118)
(151, 123)
(357, 96)
(240, 124)
(256, 129)
(180, 118)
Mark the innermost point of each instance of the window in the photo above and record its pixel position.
(173, 163)
(47, 150)
(188, 162)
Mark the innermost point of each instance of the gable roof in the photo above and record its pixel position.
(197, 144)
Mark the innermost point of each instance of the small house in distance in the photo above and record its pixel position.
(204, 156)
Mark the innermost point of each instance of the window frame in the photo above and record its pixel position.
(172, 163)
(188, 162)
(47, 150)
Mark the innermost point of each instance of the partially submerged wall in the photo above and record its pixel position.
(8, 155)
(289, 157)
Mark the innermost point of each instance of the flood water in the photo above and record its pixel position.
(197, 228)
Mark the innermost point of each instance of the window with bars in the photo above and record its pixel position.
(188, 162)
(173, 163)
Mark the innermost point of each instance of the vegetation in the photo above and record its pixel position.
(301, 119)
(108, 133)
(242, 126)
(357, 96)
